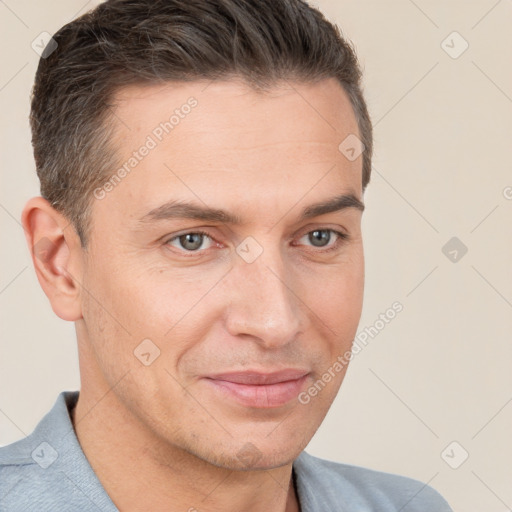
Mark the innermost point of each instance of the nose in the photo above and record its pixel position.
(263, 303)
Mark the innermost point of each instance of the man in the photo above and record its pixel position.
(202, 168)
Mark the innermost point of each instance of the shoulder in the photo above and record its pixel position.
(47, 470)
(21, 477)
(325, 485)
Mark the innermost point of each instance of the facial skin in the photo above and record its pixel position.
(173, 435)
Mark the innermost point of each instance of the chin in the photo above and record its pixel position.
(254, 455)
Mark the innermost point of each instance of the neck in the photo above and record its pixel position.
(140, 471)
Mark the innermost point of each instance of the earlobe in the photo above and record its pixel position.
(57, 256)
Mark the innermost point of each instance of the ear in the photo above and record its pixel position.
(57, 256)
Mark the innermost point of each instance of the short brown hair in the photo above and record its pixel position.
(124, 42)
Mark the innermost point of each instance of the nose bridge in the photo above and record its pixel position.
(263, 303)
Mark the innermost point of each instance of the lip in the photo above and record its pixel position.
(260, 389)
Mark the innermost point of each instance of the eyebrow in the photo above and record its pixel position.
(176, 209)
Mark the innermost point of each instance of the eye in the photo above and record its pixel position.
(197, 241)
(321, 238)
(190, 242)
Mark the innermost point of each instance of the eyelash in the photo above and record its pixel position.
(341, 237)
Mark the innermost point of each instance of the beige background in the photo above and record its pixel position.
(441, 370)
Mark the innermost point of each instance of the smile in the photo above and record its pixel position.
(260, 390)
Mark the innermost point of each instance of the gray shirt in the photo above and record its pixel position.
(48, 472)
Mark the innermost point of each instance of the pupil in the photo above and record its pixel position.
(320, 236)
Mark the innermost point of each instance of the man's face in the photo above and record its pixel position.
(254, 312)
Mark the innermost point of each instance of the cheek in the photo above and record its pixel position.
(112, 311)
(128, 303)
(337, 298)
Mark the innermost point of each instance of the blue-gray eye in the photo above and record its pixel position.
(190, 241)
(320, 237)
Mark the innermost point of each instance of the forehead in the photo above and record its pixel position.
(225, 141)
(318, 105)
